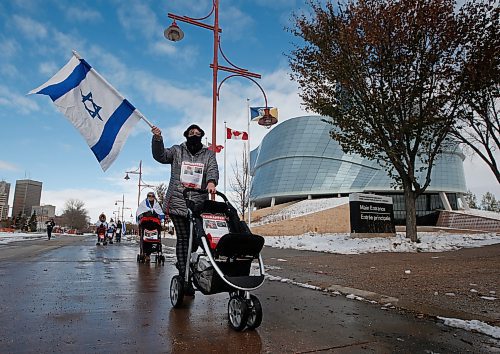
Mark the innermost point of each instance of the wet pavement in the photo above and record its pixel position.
(70, 296)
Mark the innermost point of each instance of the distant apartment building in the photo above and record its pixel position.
(4, 199)
(26, 195)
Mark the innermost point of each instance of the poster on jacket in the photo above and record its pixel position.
(191, 174)
(371, 213)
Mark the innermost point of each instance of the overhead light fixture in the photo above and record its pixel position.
(173, 32)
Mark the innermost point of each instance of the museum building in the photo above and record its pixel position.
(298, 159)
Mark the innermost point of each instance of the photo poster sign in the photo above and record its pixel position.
(371, 213)
(191, 174)
(215, 227)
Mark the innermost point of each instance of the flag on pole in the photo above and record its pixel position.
(257, 112)
(217, 149)
(237, 135)
(96, 109)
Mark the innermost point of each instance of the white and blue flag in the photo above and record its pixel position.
(95, 108)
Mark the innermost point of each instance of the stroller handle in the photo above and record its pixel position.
(201, 191)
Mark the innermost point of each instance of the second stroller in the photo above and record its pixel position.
(149, 215)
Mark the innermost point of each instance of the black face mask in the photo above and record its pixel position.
(194, 144)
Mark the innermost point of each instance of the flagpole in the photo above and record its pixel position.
(115, 91)
(248, 163)
(225, 148)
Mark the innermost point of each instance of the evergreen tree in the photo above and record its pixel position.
(471, 200)
(33, 222)
(489, 202)
(20, 221)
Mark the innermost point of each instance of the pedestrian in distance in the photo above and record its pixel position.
(50, 225)
(118, 236)
(192, 165)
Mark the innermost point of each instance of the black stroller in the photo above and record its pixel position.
(229, 254)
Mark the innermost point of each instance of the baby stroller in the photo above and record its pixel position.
(150, 238)
(109, 234)
(229, 250)
(101, 235)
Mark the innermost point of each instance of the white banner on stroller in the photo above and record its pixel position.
(215, 227)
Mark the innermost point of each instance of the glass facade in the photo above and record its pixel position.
(298, 159)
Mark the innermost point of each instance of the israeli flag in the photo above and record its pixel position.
(96, 109)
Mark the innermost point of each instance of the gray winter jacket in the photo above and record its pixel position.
(174, 201)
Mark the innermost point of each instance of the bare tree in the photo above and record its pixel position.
(479, 79)
(161, 191)
(239, 183)
(382, 71)
(74, 214)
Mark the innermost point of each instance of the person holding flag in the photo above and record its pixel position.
(194, 166)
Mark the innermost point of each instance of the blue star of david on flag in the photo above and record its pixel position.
(95, 112)
(116, 116)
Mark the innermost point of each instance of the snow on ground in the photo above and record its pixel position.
(7, 237)
(302, 208)
(472, 325)
(345, 244)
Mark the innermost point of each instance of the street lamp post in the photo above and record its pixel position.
(140, 183)
(174, 33)
(123, 203)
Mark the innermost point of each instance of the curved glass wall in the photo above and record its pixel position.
(298, 159)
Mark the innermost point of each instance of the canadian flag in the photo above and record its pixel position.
(234, 134)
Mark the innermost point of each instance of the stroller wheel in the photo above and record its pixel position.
(237, 311)
(254, 312)
(177, 291)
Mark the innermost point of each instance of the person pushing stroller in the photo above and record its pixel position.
(101, 228)
(194, 166)
(149, 216)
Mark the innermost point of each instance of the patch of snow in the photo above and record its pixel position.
(302, 208)
(343, 243)
(472, 325)
(490, 298)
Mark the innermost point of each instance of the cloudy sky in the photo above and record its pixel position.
(170, 83)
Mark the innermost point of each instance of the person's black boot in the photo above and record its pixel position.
(189, 290)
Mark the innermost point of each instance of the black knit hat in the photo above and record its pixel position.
(194, 126)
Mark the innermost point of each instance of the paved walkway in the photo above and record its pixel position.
(462, 284)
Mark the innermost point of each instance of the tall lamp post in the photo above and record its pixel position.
(140, 183)
(123, 203)
(174, 33)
